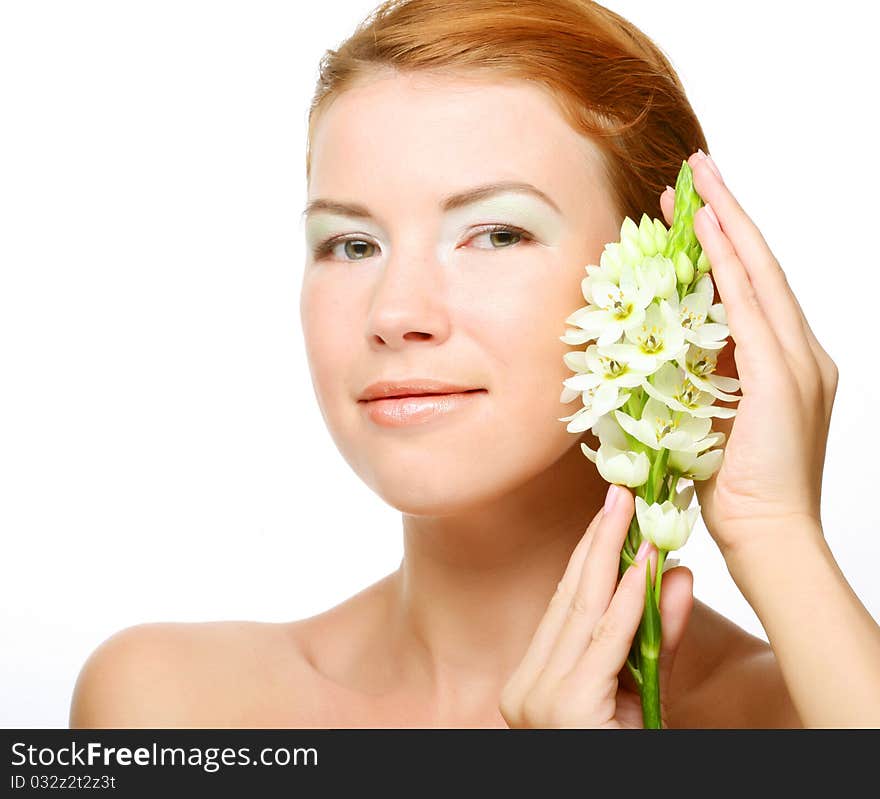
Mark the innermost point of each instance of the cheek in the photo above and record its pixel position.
(523, 329)
(328, 334)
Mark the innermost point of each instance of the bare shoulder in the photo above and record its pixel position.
(170, 675)
(725, 677)
(711, 639)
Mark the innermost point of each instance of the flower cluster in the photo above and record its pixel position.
(647, 383)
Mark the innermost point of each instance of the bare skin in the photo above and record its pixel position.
(494, 500)
(331, 671)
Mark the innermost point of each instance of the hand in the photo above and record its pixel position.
(771, 474)
(569, 676)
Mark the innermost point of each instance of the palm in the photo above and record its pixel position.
(758, 477)
(751, 482)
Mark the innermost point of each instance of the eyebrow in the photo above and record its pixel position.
(450, 203)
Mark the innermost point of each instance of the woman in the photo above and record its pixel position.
(466, 160)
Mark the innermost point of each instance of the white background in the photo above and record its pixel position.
(162, 455)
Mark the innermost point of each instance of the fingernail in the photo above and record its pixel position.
(611, 497)
(711, 214)
(669, 188)
(647, 551)
(643, 550)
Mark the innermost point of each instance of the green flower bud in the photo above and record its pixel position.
(611, 260)
(661, 234)
(687, 202)
(703, 264)
(631, 251)
(684, 268)
(629, 231)
(646, 236)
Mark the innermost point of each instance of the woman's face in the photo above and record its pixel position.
(412, 286)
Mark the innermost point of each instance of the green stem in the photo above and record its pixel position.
(650, 693)
(656, 476)
(631, 406)
(636, 674)
(661, 559)
(631, 544)
(649, 637)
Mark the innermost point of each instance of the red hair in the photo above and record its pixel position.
(609, 80)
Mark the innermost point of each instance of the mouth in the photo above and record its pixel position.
(421, 411)
(426, 394)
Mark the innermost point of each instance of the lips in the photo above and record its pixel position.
(425, 394)
(419, 409)
(416, 387)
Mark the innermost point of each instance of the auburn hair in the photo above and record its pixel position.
(610, 81)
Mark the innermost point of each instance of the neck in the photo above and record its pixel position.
(472, 588)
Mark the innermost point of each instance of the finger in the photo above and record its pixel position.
(783, 311)
(598, 582)
(547, 631)
(667, 205)
(723, 294)
(759, 355)
(613, 634)
(727, 366)
(676, 604)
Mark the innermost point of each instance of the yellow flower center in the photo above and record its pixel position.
(612, 368)
(620, 309)
(688, 394)
(650, 340)
(705, 365)
(690, 320)
(664, 426)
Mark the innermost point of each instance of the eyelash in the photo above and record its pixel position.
(324, 248)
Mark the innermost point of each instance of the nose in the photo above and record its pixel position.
(410, 301)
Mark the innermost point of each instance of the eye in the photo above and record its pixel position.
(351, 246)
(502, 237)
(504, 234)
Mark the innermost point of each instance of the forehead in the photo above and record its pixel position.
(418, 137)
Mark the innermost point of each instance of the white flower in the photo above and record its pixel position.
(614, 459)
(700, 364)
(584, 418)
(660, 336)
(607, 370)
(576, 361)
(575, 335)
(654, 355)
(597, 399)
(637, 256)
(615, 308)
(657, 275)
(658, 429)
(672, 386)
(717, 313)
(693, 466)
(667, 525)
(597, 274)
(611, 262)
(693, 310)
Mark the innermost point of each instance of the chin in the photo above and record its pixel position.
(457, 485)
(434, 491)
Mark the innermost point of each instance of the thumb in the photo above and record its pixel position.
(676, 603)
